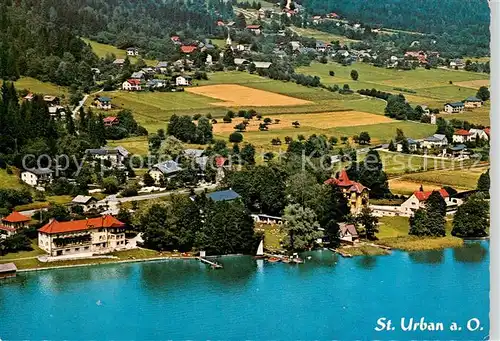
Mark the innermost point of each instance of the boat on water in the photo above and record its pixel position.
(286, 260)
(298, 260)
(273, 259)
(260, 250)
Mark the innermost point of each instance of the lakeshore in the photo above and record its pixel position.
(176, 297)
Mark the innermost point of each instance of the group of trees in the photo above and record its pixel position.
(127, 126)
(398, 108)
(222, 227)
(183, 128)
(430, 221)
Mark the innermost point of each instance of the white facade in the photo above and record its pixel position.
(479, 134)
(450, 109)
(34, 179)
(182, 81)
(130, 87)
(98, 240)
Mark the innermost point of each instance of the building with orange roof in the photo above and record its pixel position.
(12, 223)
(95, 235)
(356, 194)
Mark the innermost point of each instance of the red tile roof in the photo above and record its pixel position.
(423, 196)
(188, 49)
(134, 81)
(344, 181)
(175, 38)
(107, 221)
(462, 132)
(253, 27)
(110, 119)
(220, 161)
(16, 217)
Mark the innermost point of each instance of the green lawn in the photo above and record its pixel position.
(432, 86)
(323, 36)
(477, 116)
(101, 50)
(9, 180)
(393, 232)
(39, 87)
(459, 178)
(23, 254)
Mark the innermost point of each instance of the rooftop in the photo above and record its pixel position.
(424, 195)
(168, 167)
(16, 217)
(226, 195)
(54, 226)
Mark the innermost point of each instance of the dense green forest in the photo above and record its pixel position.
(146, 24)
(41, 38)
(457, 24)
(33, 47)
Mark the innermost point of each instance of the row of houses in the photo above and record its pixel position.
(471, 102)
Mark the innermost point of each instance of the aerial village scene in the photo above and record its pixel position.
(274, 130)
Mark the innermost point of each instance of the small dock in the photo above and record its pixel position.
(343, 254)
(7, 270)
(212, 264)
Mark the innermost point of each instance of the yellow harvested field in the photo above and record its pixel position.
(400, 186)
(234, 95)
(476, 84)
(324, 120)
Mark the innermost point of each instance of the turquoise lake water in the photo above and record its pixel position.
(326, 298)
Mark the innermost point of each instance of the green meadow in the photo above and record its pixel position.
(101, 50)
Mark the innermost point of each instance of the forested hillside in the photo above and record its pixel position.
(33, 47)
(147, 24)
(453, 22)
(40, 38)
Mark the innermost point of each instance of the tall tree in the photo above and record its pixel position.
(472, 218)
(301, 228)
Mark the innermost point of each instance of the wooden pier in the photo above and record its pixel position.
(343, 254)
(212, 264)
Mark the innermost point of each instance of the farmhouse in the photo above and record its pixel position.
(436, 140)
(110, 121)
(356, 194)
(462, 136)
(321, 46)
(156, 83)
(348, 233)
(459, 151)
(132, 51)
(412, 145)
(187, 49)
(103, 103)
(262, 65)
(457, 64)
(257, 29)
(132, 85)
(37, 176)
(473, 102)
(176, 40)
(51, 100)
(119, 62)
(453, 108)
(86, 202)
(137, 75)
(164, 171)
(12, 223)
(162, 67)
(95, 235)
(115, 156)
(183, 81)
(241, 61)
(419, 198)
(479, 134)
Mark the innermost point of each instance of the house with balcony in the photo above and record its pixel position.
(11, 224)
(89, 236)
(356, 194)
